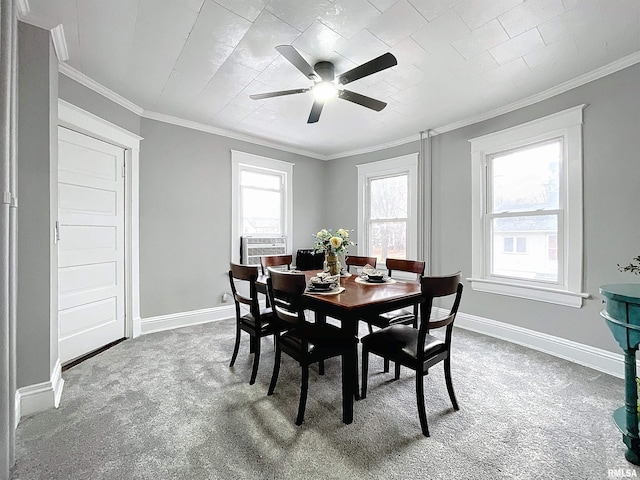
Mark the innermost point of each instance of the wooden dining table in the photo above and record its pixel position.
(358, 300)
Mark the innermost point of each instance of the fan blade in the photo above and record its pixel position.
(291, 54)
(260, 96)
(363, 100)
(316, 110)
(372, 66)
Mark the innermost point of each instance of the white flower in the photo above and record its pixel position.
(336, 242)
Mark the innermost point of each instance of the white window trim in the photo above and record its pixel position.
(568, 125)
(392, 166)
(242, 158)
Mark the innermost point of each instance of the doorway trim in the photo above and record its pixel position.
(81, 121)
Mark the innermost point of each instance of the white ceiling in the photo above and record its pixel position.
(199, 60)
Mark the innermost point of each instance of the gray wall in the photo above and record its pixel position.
(37, 330)
(611, 142)
(85, 98)
(185, 214)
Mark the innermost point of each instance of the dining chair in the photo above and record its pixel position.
(360, 261)
(307, 342)
(275, 261)
(402, 315)
(257, 322)
(416, 348)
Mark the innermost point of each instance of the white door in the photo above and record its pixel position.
(91, 244)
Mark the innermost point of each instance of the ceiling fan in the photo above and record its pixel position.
(327, 85)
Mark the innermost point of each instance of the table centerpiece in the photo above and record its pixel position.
(334, 247)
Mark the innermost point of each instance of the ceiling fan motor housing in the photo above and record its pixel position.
(325, 70)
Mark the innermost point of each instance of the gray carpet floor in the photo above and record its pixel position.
(167, 406)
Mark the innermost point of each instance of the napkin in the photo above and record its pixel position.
(369, 270)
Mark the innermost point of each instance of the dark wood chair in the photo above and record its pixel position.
(257, 322)
(275, 261)
(307, 342)
(359, 261)
(402, 315)
(416, 348)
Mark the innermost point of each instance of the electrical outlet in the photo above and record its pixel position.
(225, 297)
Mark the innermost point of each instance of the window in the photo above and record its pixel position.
(527, 195)
(387, 208)
(261, 198)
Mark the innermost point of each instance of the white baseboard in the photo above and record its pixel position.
(184, 319)
(41, 396)
(592, 357)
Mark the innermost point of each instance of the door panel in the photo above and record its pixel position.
(91, 245)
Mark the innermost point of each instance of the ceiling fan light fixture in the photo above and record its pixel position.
(323, 91)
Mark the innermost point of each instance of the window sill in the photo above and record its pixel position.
(529, 292)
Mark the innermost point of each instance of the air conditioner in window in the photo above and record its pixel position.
(253, 247)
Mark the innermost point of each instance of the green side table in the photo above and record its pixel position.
(622, 314)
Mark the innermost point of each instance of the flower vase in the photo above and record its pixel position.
(333, 266)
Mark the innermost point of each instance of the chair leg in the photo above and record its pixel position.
(386, 365)
(304, 387)
(256, 360)
(321, 367)
(252, 345)
(276, 368)
(365, 372)
(447, 377)
(397, 371)
(370, 328)
(236, 347)
(420, 400)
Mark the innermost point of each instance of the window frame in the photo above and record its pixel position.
(403, 165)
(241, 161)
(566, 125)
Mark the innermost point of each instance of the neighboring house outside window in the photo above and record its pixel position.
(387, 208)
(261, 199)
(527, 199)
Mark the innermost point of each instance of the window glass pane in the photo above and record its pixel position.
(389, 197)
(388, 240)
(531, 259)
(526, 179)
(552, 243)
(261, 211)
(269, 181)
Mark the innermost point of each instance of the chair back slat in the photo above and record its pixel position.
(437, 287)
(401, 265)
(245, 273)
(360, 261)
(285, 292)
(275, 261)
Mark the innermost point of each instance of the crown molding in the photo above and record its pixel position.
(374, 148)
(591, 76)
(161, 117)
(60, 43)
(81, 78)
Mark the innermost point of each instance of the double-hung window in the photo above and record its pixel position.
(261, 198)
(527, 210)
(387, 208)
